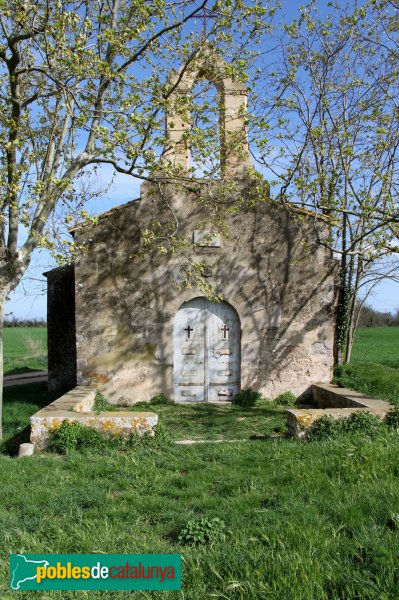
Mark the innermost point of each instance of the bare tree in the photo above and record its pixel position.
(333, 137)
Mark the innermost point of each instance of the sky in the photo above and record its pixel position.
(29, 299)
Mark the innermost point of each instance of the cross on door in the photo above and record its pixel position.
(189, 330)
(225, 329)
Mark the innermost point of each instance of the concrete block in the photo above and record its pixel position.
(76, 405)
(25, 450)
(336, 402)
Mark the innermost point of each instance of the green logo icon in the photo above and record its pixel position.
(95, 571)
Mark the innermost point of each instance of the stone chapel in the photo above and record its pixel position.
(198, 288)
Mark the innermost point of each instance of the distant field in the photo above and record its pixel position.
(379, 345)
(25, 348)
(374, 369)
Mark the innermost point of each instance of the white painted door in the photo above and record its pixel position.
(206, 342)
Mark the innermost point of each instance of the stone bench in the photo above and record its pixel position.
(328, 395)
(77, 405)
(336, 402)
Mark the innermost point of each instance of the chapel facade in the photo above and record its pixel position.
(197, 289)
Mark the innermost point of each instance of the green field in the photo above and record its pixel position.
(380, 346)
(374, 369)
(303, 520)
(25, 349)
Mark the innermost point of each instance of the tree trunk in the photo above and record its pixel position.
(351, 331)
(341, 316)
(352, 321)
(341, 312)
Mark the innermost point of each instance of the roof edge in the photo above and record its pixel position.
(103, 215)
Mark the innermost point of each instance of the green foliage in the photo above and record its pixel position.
(182, 421)
(376, 380)
(325, 514)
(325, 428)
(160, 440)
(343, 51)
(318, 513)
(377, 346)
(124, 51)
(159, 400)
(20, 402)
(219, 422)
(101, 404)
(72, 435)
(248, 398)
(265, 403)
(392, 418)
(362, 423)
(393, 522)
(343, 310)
(203, 531)
(286, 399)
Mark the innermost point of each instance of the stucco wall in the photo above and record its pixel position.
(268, 267)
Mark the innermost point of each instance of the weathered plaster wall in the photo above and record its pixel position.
(269, 268)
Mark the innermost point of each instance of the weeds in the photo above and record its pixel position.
(392, 418)
(363, 423)
(286, 399)
(247, 398)
(325, 428)
(74, 436)
(203, 531)
(101, 404)
(159, 400)
(360, 422)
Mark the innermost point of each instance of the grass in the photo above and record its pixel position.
(305, 521)
(25, 349)
(206, 422)
(374, 369)
(19, 403)
(379, 345)
(211, 422)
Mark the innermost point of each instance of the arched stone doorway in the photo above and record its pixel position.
(207, 352)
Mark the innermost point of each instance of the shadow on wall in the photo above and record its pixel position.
(268, 267)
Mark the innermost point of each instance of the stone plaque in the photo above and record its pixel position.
(206, 238)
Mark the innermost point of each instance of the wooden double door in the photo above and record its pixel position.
(207, 342)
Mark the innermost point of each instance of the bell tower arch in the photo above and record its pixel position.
(234, 149)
